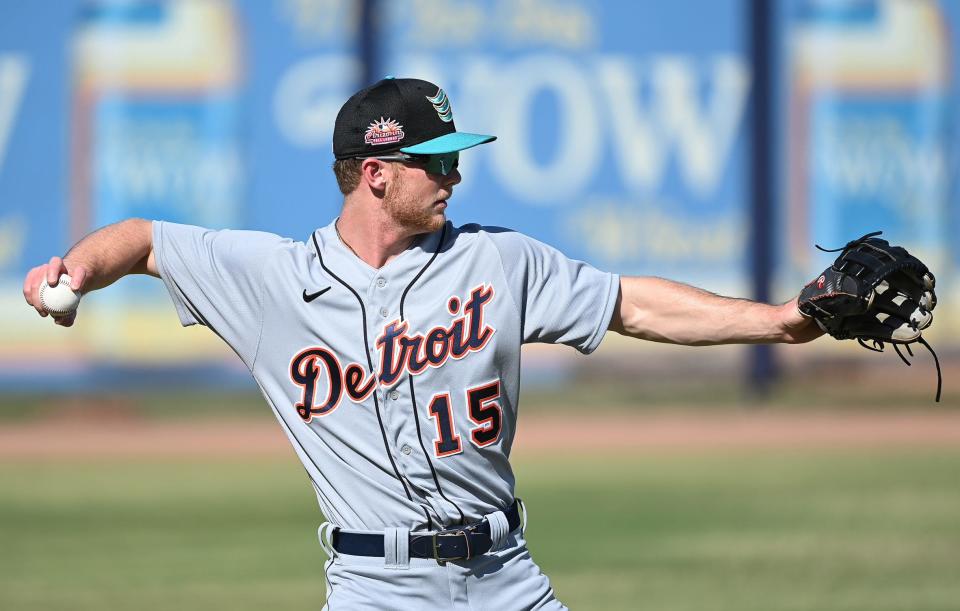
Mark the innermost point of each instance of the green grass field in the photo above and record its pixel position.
(757, 530)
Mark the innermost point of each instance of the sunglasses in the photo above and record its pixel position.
(441, 163)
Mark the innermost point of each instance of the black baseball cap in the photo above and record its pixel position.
(399, 114)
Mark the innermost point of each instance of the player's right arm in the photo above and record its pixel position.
(96, 261)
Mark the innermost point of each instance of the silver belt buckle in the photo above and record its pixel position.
(445, 559)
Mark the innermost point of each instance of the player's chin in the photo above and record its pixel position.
(427, 221)
(437, 220)
(434, 219)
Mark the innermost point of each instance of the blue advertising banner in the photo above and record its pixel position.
(622, 134)
(871, 84)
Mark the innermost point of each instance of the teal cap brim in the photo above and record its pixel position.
(457, 141)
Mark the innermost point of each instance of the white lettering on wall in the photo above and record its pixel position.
(702, 137)
(639, 156)
(640, 117)
(578, 129)
(878, 158)
(672, 118)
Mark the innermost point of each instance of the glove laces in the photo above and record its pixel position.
(850, 243)
(878, 346)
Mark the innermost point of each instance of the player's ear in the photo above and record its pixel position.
(375, 173)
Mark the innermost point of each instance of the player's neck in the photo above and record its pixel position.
(373, 240)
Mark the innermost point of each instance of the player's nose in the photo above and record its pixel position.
(453, 178)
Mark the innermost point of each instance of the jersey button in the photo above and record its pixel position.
(406, 450)
(381, 282)
(394, 395)
(384, 312)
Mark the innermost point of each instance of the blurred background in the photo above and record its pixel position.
(710, 141)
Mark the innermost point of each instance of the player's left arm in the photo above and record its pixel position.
(662, 310)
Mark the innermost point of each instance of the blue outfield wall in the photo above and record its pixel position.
(622, 133)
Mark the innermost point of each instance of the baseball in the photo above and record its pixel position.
(59, 300)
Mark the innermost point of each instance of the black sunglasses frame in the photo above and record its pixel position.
(436, 164)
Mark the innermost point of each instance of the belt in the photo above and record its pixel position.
(460, 543)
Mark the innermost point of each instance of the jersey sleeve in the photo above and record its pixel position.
(215, 279)
(561, 300)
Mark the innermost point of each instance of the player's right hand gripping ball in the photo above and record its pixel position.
(873, 292)
(60, 299)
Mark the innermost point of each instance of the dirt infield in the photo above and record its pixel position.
(539, 434)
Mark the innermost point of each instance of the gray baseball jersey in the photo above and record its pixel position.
(397, 386)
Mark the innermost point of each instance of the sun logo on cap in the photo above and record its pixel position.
(442, 105)
(383, 131)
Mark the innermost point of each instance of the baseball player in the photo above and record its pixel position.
(387, 344)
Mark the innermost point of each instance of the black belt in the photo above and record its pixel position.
(460, 543)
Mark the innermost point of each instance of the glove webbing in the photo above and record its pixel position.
(880, 270)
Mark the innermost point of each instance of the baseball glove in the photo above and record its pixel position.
(875, 293)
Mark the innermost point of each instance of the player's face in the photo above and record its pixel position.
(416, 199)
